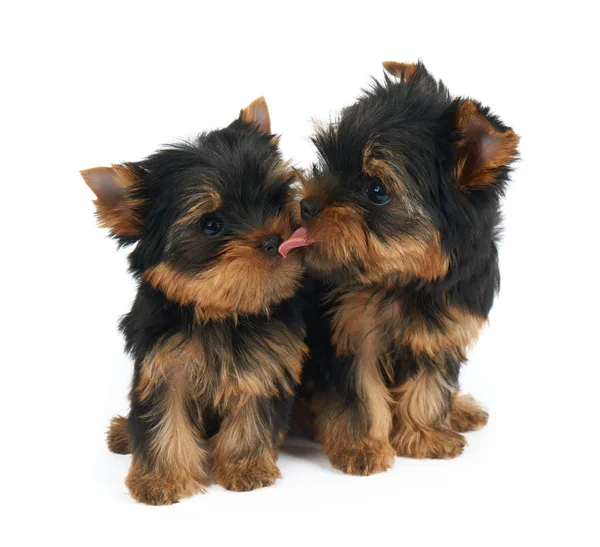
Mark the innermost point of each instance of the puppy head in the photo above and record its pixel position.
(208, 217)
(408, 177)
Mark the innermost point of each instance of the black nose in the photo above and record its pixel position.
(271, 244)
(310, 208)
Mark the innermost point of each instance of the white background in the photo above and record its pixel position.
(92, 83)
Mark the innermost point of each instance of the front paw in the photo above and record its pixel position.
(155, 488)
(243, 477)
(435, 444)
(372, 456)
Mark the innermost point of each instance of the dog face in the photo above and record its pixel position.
(208, 217)
(407, 177)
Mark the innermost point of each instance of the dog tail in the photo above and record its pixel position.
(117, 436)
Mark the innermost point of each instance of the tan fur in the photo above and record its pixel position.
(482, 148)
(421, 257)
(160, 365)
(459, 330)
(354, 318)
(265, 373)
(160, 485)
(420, 405)
(420, 419)
(347, 448)
(176, 466)
(308, 187)
(359, 311)
(379, 162)
(244, 456)
(117, 437)
(268, 376)
(466, 413)
(271, 371)
(342, 236)
(246, 475)
(372, 389)
(356, 332)
(404, 71)
(257, 113)
(175, 442)
(367, 458)
(198, 206)
(242, 280)
(119, 210)
(244, 452)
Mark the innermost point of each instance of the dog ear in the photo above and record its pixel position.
(403, 71)
(415, 75)
(257, 114)
(119, 201)
(485, 147)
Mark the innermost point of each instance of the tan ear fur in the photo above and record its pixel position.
(257, 113)
(404, 71)
(117, 204)
(482, 149)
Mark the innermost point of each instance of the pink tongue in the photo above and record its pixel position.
(299, 238)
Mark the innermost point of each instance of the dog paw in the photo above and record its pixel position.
(367, 459)
(467, 414)
(156, 494)
(247, 476)
(154, 488)
(434, 444)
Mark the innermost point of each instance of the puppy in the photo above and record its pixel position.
(403, 211)
(217, 340)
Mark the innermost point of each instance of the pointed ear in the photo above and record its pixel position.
(404, 71)
(485, 148)
(119, 200)
(257, 113)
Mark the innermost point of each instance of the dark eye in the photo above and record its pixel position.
(212, 226)
(378, 193)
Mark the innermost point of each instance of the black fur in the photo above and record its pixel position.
(241, 170)
(411, 124)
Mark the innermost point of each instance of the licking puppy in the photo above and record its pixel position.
(214, 331)
(403, 213)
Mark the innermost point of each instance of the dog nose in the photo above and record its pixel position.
(271, 244)
(310, 208)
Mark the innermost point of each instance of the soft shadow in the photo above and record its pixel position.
(298, 446)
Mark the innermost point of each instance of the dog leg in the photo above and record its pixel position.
(245, 449)
(421, 426)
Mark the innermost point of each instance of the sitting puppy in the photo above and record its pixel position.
(403, 210)
(217, 340)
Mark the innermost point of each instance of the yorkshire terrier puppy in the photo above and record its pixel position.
(403, 213)
(217, 339)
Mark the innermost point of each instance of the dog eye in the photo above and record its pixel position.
(378, 193)
(212, 226)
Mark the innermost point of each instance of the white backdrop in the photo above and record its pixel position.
(90, 83)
